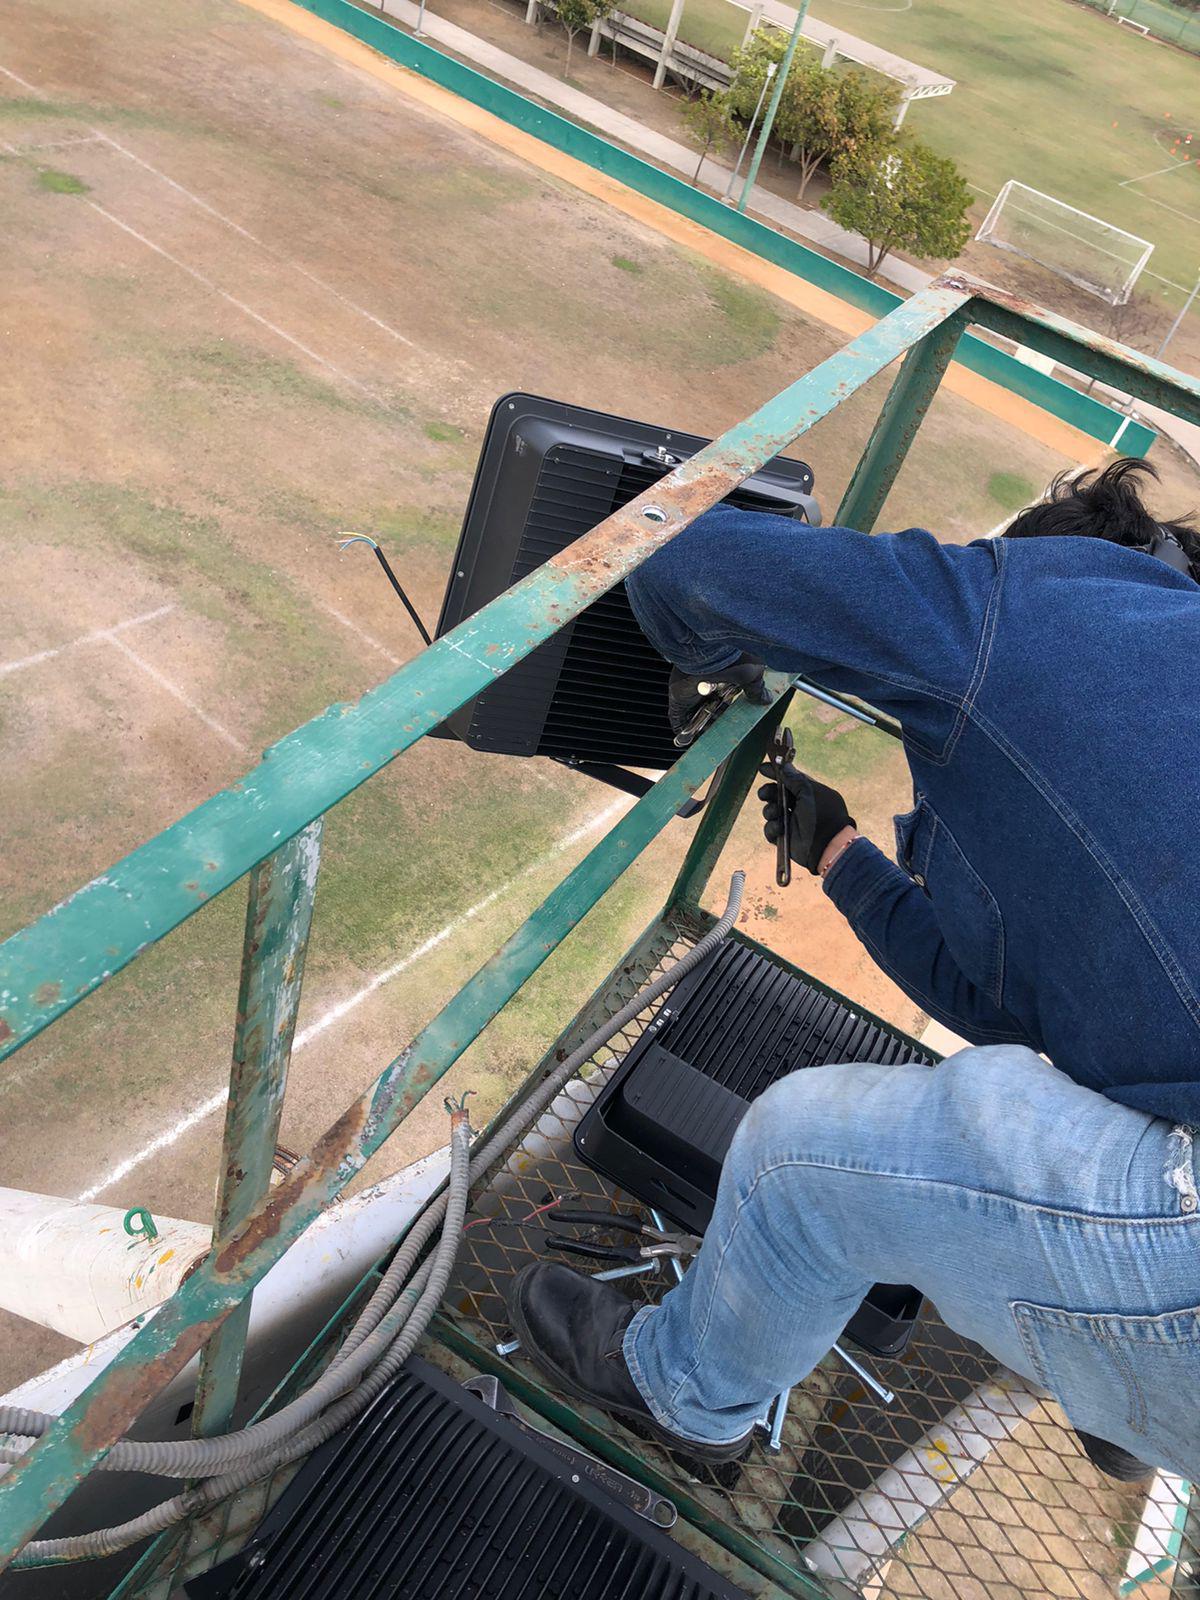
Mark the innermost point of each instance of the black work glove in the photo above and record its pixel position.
(693, 703)
(817, 814)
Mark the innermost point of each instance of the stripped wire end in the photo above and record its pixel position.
(346, 539)
(458, 1108)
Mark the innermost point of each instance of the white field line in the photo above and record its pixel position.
(85, 638)
(164, 1141)
(207, 1108)
(228, 222)
(1171, 166)
(173, 689)
(38, 94)
(55, 144)
(337, 1012)
(240, 305)
(361, 632)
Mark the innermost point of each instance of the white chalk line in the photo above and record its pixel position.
(38, 94)
(54, 144)
(173, 688)
(164, 1141)
(209, 1107)
(366, 638)
(239, 305)
(1172, 166)
(228, 222)
(84, 638)
(343, 1007)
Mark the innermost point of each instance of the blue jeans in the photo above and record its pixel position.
(1053, 1226)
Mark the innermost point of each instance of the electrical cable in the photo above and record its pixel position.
(381, 1340)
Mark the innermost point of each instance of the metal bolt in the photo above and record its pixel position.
(656, 1218)
(625, 1272)
(857, 1368)
(775, 1442)
(654, 514)
(508, 1347)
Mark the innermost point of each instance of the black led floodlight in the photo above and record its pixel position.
(595, 695)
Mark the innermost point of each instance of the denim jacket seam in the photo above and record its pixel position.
(983, 654)
(872, 892)
(993, 997)
(1141, 916)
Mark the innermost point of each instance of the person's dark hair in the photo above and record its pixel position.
(1106, 504)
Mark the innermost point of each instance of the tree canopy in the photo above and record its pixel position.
(906, 198)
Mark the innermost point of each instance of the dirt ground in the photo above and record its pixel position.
(626, 84)
(254, 297)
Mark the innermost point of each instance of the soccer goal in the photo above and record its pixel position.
(1086, 250)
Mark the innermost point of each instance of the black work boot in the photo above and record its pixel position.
(1111, 1459)
(573, 1327)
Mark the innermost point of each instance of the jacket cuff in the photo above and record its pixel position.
(860, 874)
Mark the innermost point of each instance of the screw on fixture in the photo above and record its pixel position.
(654, 514)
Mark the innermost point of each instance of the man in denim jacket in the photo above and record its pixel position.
(1046, 903)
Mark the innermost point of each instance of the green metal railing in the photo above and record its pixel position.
(268, 825)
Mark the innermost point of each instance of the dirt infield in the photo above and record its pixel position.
(254, 297)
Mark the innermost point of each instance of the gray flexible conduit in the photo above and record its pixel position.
(383, 1337)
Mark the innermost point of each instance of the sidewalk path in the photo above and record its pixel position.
(812, 226)
(644, 141)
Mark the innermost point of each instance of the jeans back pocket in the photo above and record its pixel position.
(1134, 1381)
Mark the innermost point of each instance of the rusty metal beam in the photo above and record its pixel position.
(278, 918)
(1079, 348)
(896, 427)
(52, 964)
(45, 1477)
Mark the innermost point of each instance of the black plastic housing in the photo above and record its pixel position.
(662, 1125)
(431, 1495)
(548, 473)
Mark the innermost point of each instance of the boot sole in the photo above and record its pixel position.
(710, 1454)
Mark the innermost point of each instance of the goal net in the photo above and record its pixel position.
(1086, 250)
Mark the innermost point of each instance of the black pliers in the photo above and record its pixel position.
(658, 1241)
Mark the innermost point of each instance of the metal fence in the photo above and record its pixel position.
(1162, 19)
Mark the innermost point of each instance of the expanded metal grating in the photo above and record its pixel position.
(968, 1486)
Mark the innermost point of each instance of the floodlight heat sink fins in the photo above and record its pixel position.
(548, 473)
(431, 1495)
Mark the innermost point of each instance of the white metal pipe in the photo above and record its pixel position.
(75, 1269)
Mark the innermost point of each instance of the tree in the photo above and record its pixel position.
(906, 198)
(709, 121)
(866, 115)
(810, 118)
(576, 15)
(749, 63)
(823, 115)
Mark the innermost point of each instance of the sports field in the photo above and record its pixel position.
(255, 296)
(1047, 92)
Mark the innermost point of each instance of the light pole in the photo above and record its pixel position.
(784, 68)
(772, 69)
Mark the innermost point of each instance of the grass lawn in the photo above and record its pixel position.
(1047, 92)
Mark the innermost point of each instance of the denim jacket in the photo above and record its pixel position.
(1048, 891)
